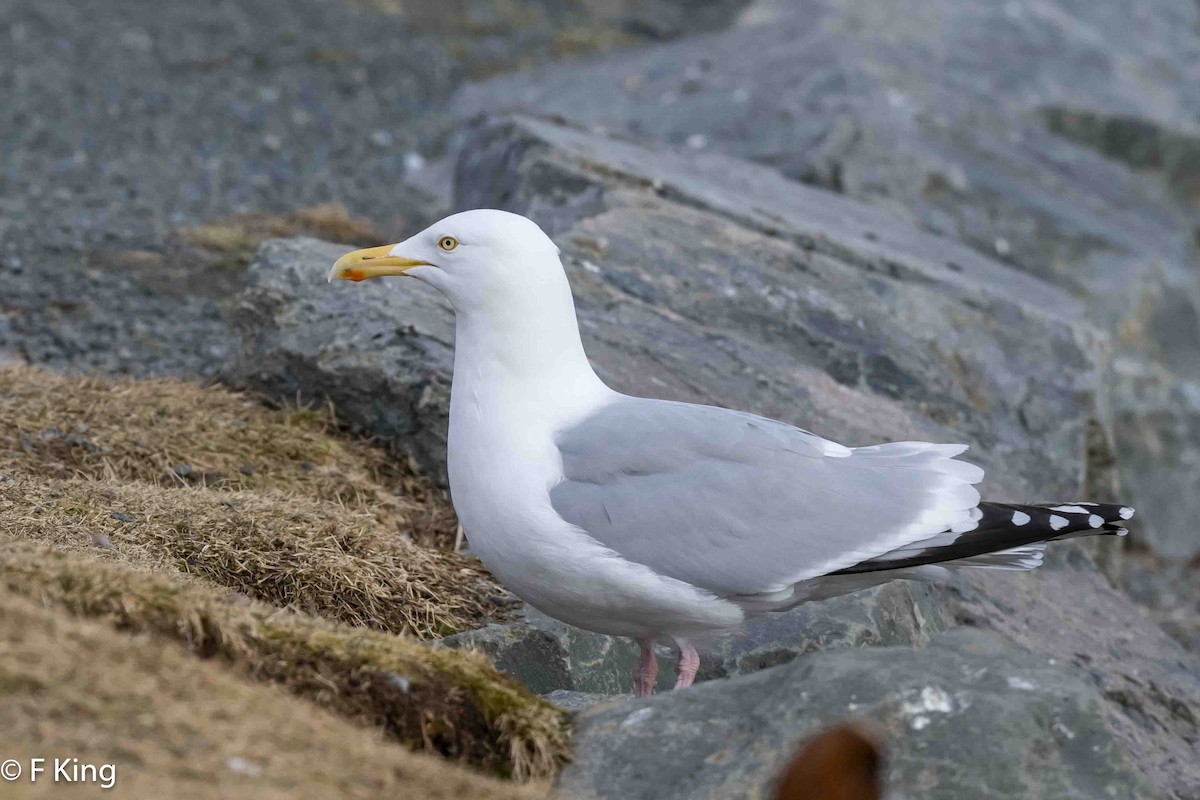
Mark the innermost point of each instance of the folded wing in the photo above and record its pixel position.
(740, 504)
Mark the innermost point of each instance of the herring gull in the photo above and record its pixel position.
(666, 521)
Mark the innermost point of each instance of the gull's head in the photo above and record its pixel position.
(478, 259)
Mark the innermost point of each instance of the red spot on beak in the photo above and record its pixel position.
(355, 275)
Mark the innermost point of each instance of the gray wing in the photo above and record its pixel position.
(740, 504)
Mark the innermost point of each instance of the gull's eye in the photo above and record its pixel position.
(447, 243)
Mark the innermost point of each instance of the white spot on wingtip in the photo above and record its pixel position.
(1126, 512)
(1020, 518)
(1070, 509)
(1057, 522)
(1095, 520)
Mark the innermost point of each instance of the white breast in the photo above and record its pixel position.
(502, 462)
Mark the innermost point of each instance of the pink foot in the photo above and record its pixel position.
(646, 672)
(689, 662)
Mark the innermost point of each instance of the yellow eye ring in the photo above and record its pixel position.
(447, 243)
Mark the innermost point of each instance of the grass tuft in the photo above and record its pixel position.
(177, 726)
(176, 434)
(232, 241)
(449, 702)
(313, 556)
(262, 540)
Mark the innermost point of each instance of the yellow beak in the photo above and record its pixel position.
(372, 262)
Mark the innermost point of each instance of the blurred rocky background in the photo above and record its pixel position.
(959, 220)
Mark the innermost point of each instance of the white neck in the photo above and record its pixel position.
(526, 350)
(520, 377)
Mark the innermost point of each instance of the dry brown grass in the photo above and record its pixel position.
(445, 701)
(271, 503)
(261, 539)
(179, 727)
(288, 551)
(232, 241)
(210, 259)
(172, 433)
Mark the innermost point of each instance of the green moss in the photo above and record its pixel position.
(20, 684)
(173, 722)
(452, 702)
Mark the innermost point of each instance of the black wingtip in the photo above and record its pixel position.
(1005, 526)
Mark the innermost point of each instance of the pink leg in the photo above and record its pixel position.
(646, 672)
(689, 662)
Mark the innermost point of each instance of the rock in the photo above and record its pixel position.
(1038, 132)
(548, 656)
(101, 189)
(383, 356)
(897, 613)
(1169, 592)
(8, 358)
(703, 278)
(969, 716)
(1070, 613)
(711, 280)
(1066, 613)
(574, 701)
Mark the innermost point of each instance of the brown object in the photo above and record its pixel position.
(841, 763)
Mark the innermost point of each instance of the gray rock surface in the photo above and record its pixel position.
(796, 303)
(383, 356)
(691, 286)
(969, 716)
(1169, 592)
(123, 121)
(550, 656)
(1059, 136)
(985, 150)
(575, 701)
(683, 293)
(1069, 612)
